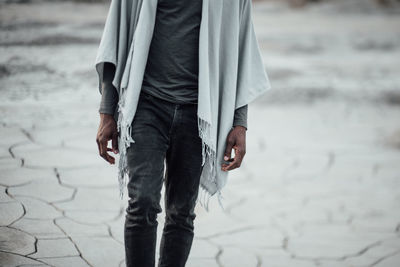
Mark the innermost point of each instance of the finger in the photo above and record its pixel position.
(228, 149)
(104, 154)
(110, 159)
(231, 165)
(98, 145)
(114, 143)
(229, 160)
(236, 161)
(225, 164)
(240, 152)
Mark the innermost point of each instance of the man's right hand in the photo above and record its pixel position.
(107, 131)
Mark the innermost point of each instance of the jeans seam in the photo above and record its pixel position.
(173, 121)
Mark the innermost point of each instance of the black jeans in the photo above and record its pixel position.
(167, 131)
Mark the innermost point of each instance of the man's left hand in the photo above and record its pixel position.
(236, 140)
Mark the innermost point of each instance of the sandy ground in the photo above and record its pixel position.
(320, 183)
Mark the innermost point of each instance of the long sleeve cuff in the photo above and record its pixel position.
(109, 99)
(240, 117)
(109, 94)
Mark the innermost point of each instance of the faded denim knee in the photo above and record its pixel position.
(179, 217)
(143, 208)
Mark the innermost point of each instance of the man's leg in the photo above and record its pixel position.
(182, 180)
(145, 157)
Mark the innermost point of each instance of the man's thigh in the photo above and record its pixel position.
(184, 160)
(146, 155)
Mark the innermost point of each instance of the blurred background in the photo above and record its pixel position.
(320, 182)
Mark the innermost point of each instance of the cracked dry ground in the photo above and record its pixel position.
(320, 182)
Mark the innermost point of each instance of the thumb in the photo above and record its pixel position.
(114, 142)
(228, 149)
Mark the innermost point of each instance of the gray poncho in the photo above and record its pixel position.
(231, 75)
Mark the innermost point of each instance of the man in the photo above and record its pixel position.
(165, 127)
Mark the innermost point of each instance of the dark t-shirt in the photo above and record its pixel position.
(172, 66)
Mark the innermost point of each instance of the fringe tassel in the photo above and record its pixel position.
(209, 159)
(205, 196)
(125, 139)
(208, 147)
(220, 197)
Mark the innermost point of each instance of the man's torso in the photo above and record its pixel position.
(172, 65)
